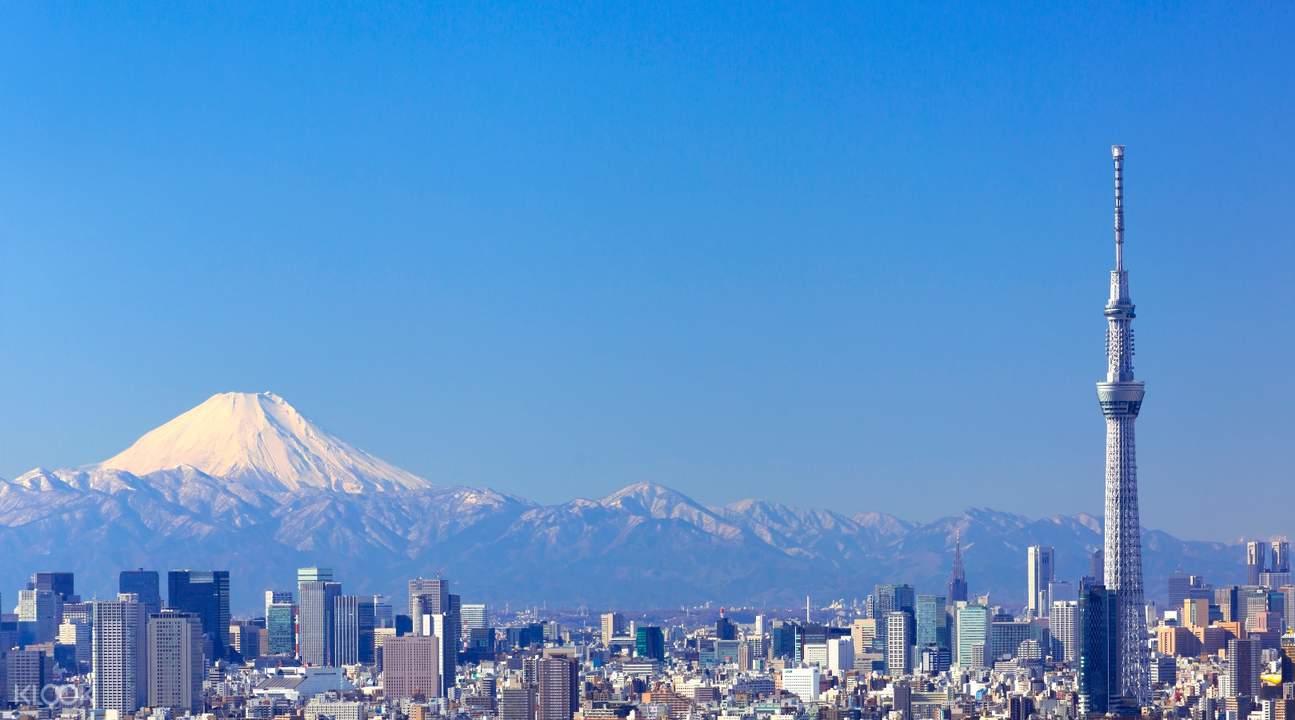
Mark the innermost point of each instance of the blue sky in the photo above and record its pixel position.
(837, 255)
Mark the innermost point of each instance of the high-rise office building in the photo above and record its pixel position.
(840, 655)
(1038, 572)
(245, 639)
(1243, 669)
(894, 597)
(932, 621)
(1281, 556)
(27, 672)
(1225, 599)
(516, 702)
(77, 634)
(410, 666)
(1063, 623)
(204, 593)
(557, 695)
(1006, 636)
(890, 598)
(1097, 565)
(384, 613)
(276, 596)
(39, 613)
(973, 630)
(145, 584)
(649, 643)
(432, 596)
(119, 654)
(1195, 613)
(353, 624)
(899, 646)
(175, 661)
(62, 584)
(724, 628)
(802, 682)
(1256, 560)
(863, 634)
(613, 625)
(474, 616)
(1120, 398)
(428, 596)
(281, 627)
(1182, 587)
(1099, 654)
(314, 574)
(315, 621)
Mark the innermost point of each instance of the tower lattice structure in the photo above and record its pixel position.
(1120, 396)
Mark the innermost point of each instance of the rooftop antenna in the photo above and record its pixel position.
(1117, 154)
(806, 609)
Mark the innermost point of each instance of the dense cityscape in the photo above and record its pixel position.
(1083, 643)
(317, 652)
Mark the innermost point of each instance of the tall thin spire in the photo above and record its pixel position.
(958, 578)
(1117, 154)
(1120, 398)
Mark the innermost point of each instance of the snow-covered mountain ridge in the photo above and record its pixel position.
(244, 482)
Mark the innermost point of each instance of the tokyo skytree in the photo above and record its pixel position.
(1120, 397)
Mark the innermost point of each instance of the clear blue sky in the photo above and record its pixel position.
(849, 256)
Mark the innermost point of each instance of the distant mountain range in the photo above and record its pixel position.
(243, 482)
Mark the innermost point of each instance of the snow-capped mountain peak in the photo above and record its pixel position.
(260, 440)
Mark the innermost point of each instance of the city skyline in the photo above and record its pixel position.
(759, 255)
(655, 361)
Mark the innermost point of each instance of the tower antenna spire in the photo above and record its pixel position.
(1120, 398)
(1117, 154)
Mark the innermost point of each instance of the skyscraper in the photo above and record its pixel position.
(427, 596)
(894, 597)
(410, 666)
(1120, 397)
(1243, 668)
(899, 647)
(27, 673)
(39, 613)
(145, 584)
(175, 662)
(557, 685)
(353, 630)
(1099, 654)
(973, 629)
(315, 617)
(932, 621)
(889, 599)
(119, 652)
(516, 702)
(474, 616)
(649, 642)
(62, 584)
(1039, 572)
(431, 596)
(280, 626)
(1063, 622)
(613, 625)
(1256, 560)
(1281, 562)
(314, 574)
(958, 578)
(276, 596)
(204, 593)
(724, 628)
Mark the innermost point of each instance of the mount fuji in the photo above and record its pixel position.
(261, 441)
(244, 482)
